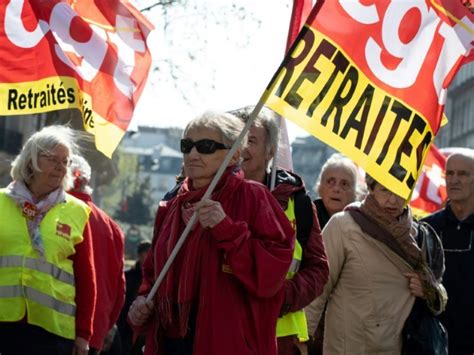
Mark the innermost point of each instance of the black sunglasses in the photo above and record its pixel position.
(203, 146)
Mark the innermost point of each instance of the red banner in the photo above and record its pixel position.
(430, 194)
(84, 54)
(369, 78)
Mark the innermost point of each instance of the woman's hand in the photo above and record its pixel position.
(209, 213)
(140, 311)
(81, 346)
(414, 283)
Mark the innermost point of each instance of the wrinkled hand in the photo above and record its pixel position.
(414, 283)
(140, 311)
(81, 346)
(209, 213)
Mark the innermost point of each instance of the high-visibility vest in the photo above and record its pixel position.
(293, 323)
(41, 287)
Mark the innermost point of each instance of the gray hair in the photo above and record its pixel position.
(226, 124)
(26, 162)
(267, 119)
(339, 160)
(81, 173)
(462, 152)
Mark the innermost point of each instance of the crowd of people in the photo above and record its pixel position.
(263, 270)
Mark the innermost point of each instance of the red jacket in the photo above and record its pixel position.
(309, 281)
(108, 245)
(241, 291)
(84, 271)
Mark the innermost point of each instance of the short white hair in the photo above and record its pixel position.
(268, 120)
(227, 125)
(26, 162)
(338, 160)
(81, 173)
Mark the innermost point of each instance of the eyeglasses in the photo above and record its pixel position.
(343, 184)
(203, 146)
(53, 160)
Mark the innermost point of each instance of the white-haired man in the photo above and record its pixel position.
(108, 245)
(455, 226)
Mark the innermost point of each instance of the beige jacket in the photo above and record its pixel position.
(367, 294)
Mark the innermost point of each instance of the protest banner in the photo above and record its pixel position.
(88, 55)
(371, 80)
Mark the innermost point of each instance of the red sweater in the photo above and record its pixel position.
(240, 291)
(108, 245)
(86, 292)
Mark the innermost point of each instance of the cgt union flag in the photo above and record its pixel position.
(430, 194)
(84, 54)
(369, 78)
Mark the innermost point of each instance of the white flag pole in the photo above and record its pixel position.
(208, 193)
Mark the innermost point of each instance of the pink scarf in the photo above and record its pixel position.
(33, 211)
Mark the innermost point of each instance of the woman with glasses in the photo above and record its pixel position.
(377, 274)
(47, 287)
(222, 294)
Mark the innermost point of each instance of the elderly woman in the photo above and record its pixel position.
(336, 187)
(376, 273)
(47, 292)
(224, 291)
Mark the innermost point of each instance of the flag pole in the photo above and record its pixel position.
(208, 193)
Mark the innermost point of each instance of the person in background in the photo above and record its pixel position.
(223, 293)
(108, 246)
(336, 187)
(133, 278)
(47, 276)
(376, 275)
(309, 270)
(455, 226)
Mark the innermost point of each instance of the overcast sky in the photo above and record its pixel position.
(235, 51)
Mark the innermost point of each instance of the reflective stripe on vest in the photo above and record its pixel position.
(41, 287)
(39, 265)
(37, 296)
(293, 323)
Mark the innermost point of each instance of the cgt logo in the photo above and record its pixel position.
(84, 47)
(63, 230)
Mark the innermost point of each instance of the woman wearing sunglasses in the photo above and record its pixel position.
(222, 294)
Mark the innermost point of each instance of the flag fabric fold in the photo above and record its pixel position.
(84, 54)
(371, 80)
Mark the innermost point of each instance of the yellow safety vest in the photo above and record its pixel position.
(293, 323)
(40, 287)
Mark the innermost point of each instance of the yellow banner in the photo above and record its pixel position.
(59, 93)
(319, 88)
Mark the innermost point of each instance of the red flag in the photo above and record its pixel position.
(83, 54)
(299, 14)
(370, 80)
(430, 194)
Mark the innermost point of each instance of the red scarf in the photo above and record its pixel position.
(179, 292)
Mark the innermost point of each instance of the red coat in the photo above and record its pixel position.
(108, 246)
(240, 290)
(86, 292)
(309, 281)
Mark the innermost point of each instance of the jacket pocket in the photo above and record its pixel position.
(382, 335)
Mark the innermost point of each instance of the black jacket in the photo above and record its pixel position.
(457, 237)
